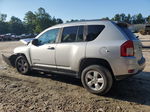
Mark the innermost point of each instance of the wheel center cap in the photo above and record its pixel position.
(94, 80)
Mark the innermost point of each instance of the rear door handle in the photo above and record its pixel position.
(51, 48)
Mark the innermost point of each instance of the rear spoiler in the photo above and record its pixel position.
(123, 24)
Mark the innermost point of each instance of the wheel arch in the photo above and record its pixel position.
(94, 61)
(13, 58)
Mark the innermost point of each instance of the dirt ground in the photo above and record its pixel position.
(58, 93)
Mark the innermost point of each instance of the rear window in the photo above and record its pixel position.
(128, 32)
(94, 31)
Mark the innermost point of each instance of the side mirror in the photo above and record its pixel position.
(35, 42)
(137, 37)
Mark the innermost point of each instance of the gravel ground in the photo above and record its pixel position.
(58, 93)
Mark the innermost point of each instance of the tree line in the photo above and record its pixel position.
(35, 22)
(135, 19)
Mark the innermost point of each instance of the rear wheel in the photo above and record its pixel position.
(22, 65)
(97, 79)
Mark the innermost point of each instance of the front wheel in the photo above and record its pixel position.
(22, 65)
(97, 79)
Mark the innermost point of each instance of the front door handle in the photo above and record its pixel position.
(51, 48)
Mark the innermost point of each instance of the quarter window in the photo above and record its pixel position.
(94, 31)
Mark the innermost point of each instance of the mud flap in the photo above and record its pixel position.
(9, 60)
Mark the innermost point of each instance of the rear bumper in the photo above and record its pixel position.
(138, 67)
(10, 60)
(121, 77)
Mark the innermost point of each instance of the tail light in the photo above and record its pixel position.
(127, 48)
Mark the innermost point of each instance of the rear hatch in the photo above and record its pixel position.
(137, 43)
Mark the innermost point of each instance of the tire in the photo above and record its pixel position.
(22, 65)
(97, 79)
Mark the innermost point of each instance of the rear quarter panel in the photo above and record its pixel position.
(107, 46)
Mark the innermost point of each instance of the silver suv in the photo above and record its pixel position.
(97, 52)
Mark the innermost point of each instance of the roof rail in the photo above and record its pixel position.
(88, 20)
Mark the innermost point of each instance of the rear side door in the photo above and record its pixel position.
(71, 48)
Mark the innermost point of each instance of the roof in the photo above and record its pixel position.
(84, 22)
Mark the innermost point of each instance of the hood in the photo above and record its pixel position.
(26, 41)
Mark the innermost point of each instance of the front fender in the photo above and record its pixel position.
(25, 51)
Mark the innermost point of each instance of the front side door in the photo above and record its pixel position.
(44, 53)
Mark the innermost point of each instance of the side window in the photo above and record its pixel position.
(73, 34)
(69, 34)
(94, 31)
(48, 37)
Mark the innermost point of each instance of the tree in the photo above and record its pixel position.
(128, 19)
(122, 17)
(140, 19)
(105, 18)
(42, 21)
(59, 21)
(29, 20)
(135, 19)
(16, 26)
(53, 21)
(3, 25)
(148, 19)
(3, 17)
(116, 17)
(29, 17)
(39, 20)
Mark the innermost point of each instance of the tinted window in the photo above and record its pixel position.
(48, 37)
(128, 33)
(69, 34)
(125, 28)
(72, 34)
(94, 31)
